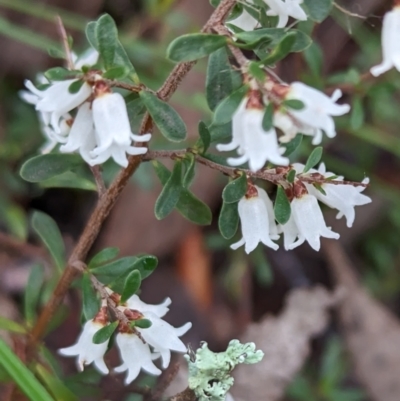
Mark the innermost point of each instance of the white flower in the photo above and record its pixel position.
(134, 302)
(86, 350)
(344, 198)
(163, 337)
(306, 223)
(245, 21)
(81, 137)
(390, 43)
(87, 58)
(255, 145)
(57, 100)
(316, 116)
(113, 131)
(257, 221)
(135, 356)
(286, 9)
(53, 137)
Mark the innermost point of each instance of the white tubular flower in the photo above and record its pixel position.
(245, 21)
(57, 100)
(87, 58)
(81, 137)
(344, 198)
(255, 145)
(113, 131)
(286, 9)
(318, 110)
(163, 337)
(135, 356)
(306, 223)
(257, 222)
(86, 350)
(53, 138)
(390, 43)
(134, 302)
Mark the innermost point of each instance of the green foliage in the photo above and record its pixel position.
(44, 167)
(91, 304)
(193, 46)
(132, 285)
(49, 233)
(9, 325)
(281, 50)
(318, 10)
(105, 255)
(188, 205)
(32, 293)
(220, 77)
(21, 375)
(282, 208)
(142, 323)
(107, 38)
(105, 333)
(293, 104)
(205, 136)
(235, 190)
(293, 144)
(59, 74)
(165, 117)
(313, 159)
(228, 221)
(76, 86)
(225, 110)
(268, 119)
(170, 193)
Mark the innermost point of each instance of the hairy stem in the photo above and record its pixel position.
(108, 200)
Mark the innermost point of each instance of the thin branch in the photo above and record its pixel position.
(101, 186)
(64, 38)
(268, 175)
(347, 12)
(124, 85)
(21, 247)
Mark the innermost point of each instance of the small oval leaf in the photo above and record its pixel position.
(143, 323)
(132, 285)
(90, 302)
(225, 110)
(313, 159)
(228, 221)
(107, 39)
(235, 190)
(282, 206)
(105, 333)
(103, 256)
(193, 46)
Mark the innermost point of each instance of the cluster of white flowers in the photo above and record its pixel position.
(257, 146)
(306, 222)
(101, 127)
(138, 348)
(283, 9)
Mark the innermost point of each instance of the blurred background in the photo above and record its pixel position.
(327, 321)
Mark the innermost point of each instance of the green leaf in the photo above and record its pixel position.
(132, 285)
(57, 388)
(21, 375)
(103, 256)
(283, 48)
(91, 34)
(318, 10)
(110, 271)
(314, 58)
(293, 104)
(145, 264)
(116, 72)
(219, 77)
(49, 233)
(59, 74)
(70, 179)
(188, 178)
(189, 206)
(357, 116)
(282, 206)
(235, 190)
(268, 119)
(143, 323)
(169, 195)
(228, 221)
(293, 144)
(107, 38)
(90, 302)
(193, 46)
(256, 71)
(9, 325)
(319, 188)
(43, 167)
(225, 110)
(32, 293)
(313, 159)
(105, 333)
(205, 136)
(76, 86)
(291, 176)
(54, 52)
(165, 117)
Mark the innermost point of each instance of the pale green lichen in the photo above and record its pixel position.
(210, 372)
